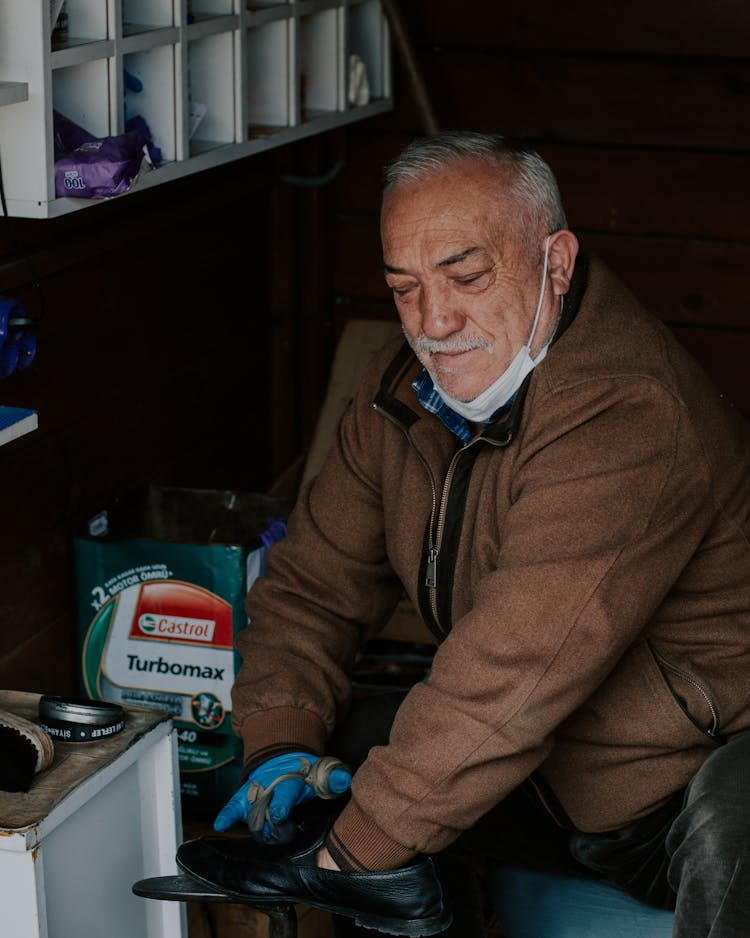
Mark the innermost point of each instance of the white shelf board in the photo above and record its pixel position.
(86, 52)
(16, 422)
(11, 92)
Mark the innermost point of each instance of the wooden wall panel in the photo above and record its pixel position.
(692, 104)
(669, 28)
(690, 282)
(724, 356)
(45, 660)
(685, 193)
(303, 290)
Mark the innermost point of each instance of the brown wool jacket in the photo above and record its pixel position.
(592, 592)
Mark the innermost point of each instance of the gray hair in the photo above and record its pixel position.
(532, 182)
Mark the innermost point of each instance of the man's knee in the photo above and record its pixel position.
(725, 774)
(715, 819)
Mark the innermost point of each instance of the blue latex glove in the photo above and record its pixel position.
(325, 780)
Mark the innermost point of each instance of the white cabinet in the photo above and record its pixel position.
(104, 815)
(221, 79)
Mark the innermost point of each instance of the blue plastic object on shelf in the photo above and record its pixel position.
(17, 341)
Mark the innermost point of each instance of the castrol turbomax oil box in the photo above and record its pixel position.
(161, 579)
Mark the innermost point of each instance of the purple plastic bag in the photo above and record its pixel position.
(100, 168)
(68, 135)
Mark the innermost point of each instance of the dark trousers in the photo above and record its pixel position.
(692, 855)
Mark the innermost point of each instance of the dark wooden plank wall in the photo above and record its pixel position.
(642, 110)
(152, 365)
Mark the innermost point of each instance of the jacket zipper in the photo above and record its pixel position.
(432, 553)
(689, 679)
(439, 507)
(437, 526)
(437, 513)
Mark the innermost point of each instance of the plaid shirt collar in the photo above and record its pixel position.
(429, 397)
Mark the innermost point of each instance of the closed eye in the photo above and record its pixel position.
(469, 279)
(402, 289)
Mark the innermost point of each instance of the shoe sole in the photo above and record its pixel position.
(409, 928)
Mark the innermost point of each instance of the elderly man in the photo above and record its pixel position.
(566, 499)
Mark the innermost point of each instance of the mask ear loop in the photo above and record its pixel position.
(541, 295)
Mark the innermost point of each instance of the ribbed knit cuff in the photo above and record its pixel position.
(270, 733)
(357, 843)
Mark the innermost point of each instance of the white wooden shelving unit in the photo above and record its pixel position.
(267, 72)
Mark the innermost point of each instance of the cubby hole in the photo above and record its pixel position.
(268, 78)
(154, 70)
(252, 5)
(81, 93)
(211, 92)
(319, 64)
(77, 22)
(367, 39)
(198, 10)
(140, 16)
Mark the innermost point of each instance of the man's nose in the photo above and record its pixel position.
(440, 318)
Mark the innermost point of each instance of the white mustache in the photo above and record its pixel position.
(422, 345)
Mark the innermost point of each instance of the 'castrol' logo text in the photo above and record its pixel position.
(176, 613)
(196, 630)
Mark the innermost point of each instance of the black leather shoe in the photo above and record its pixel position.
(406, 901)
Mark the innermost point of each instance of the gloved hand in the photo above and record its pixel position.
(278, 785)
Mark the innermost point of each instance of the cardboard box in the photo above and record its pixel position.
(161, 580)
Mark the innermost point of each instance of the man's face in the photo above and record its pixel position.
(463, 282)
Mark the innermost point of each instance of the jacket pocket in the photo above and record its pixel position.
(691, 695)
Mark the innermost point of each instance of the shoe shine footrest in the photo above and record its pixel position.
(282, 917)
(180, 888)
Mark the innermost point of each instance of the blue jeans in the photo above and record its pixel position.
(530, 904)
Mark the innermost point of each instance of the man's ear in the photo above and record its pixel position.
(563, 250)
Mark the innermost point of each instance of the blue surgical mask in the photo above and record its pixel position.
(481, 408)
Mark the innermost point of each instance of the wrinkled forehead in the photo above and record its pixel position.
(466, 202)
